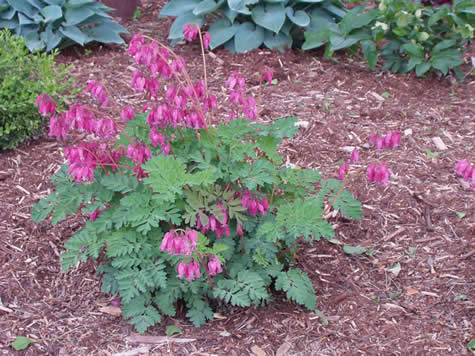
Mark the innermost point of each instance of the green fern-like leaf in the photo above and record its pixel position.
(199, 312)
(119, 183)
(345, 202)
(149, 318)
(248, 287)
(298, 287)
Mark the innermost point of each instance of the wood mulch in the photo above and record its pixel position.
(423, 221)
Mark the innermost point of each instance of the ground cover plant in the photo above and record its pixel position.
(402, 283)
(415, 37)
(186, 211)
(23, 76)
(241, 26)
(50, 24)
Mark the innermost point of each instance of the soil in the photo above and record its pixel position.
(423, 221)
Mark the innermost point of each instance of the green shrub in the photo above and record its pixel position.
(416, 38)
(242, 25)
(23, 76)
(49, 24)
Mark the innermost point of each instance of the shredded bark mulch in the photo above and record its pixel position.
(423, 221)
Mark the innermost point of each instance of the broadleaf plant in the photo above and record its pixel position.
(183, 210)
(47, 24)
(411, 37)
(243, 25)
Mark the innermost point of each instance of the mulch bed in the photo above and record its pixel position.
(423, 220)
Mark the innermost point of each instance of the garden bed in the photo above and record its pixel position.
(422, 221)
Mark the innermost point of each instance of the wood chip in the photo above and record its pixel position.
(303, 124)
(144, 350)
(5, 309)
(439, 143)
(377, 96)
(111, 310)
(430, 294)
(142, 339)
(283, 349)
(256, 350)
(411, 291)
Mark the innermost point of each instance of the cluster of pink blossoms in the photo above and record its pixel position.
(235, 83)
(191, 30)
(378, 174)
(465, 169)
(220, 227)
(45, 104)
(391, 140)
(190, 270)
(97, 92)
(344, 168)
(253, 204)
(179, 244)
(83, 159)
(214, 266)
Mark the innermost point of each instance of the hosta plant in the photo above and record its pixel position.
(242, 25)
(412, 37)
(49, 24)
(183, 211)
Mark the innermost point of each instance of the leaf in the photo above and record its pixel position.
(446, 59)
(248, 37)
(269, 16)
(207, 6)
(370, 52)
(298, 287)
(279, 41)
(74, 16)
(395, 269)
(422, 68)
(22, 342)
(431, 154)
(299, 17)
(52, 13)
(460, 214)
(221, 31)
(471, 346)
(178, 7)
(173, 330)
(74, 34)
(105, 33)
(354, 250)
(241, 6)
(316, 39)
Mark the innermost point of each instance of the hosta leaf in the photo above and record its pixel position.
(299, 17)
(269, 16)
(178, 7)
(221, 31)
(207, 6)
(103, 33)
(52, 13)
(25, 20)
(23, 6)
(248, 37)
(279, 41)
(75, 34)
(75, 16)
(54, 2)
(241, 6)
(230, 14)
(8, 14)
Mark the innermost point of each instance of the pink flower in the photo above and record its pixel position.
(239, 230)
(462, 166)
(206, 40)
(355, 156)
(372, 139)
(190, 31)
(396, 139)
(127, 114)
(382, 174)
(250, 109)
(268, 74)
(379, 142)
(182, 270)
(45, 104)
(371, 171)
(96, 213)
(58, 127)
(97, 92)
(342, 170)
(214, 266)
(156, 138)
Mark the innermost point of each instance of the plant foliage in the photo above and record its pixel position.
(49, 24)
(242, 25)
(213, 204)
(416, 38)
(23, 76)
